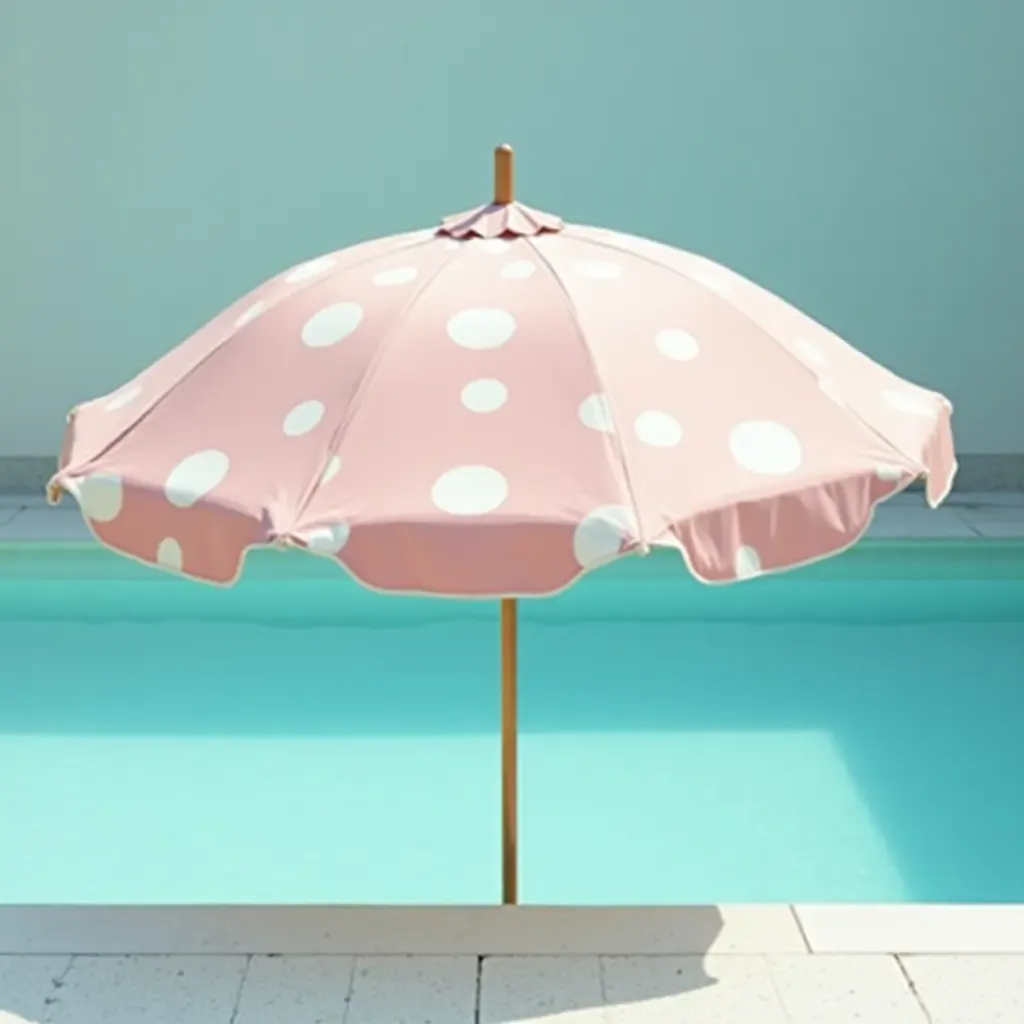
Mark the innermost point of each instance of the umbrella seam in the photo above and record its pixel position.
(616, 435)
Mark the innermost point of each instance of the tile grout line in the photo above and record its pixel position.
(56, 985)
(478, 985)
(800, 928)
(241, 986)
(354, 962)
(913, 988)
(965, 519)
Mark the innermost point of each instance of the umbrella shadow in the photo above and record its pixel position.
(528, 988)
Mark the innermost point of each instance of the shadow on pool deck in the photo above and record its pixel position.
(452, 989)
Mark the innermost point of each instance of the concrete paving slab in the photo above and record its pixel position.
(28, 984)
(296, 990)
(969, 989)
(149, 990)
(914, 928)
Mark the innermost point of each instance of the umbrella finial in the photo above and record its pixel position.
(503, 166)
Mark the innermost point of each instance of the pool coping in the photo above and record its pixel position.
(513, 931)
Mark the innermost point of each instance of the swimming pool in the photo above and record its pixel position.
(850, 732)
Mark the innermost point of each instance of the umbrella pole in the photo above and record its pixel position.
(509, 729)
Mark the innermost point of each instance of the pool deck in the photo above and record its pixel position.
(490, 965)
(706, 965)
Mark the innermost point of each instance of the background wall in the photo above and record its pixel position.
(864, 159)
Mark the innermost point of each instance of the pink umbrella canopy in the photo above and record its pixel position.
(491, 409)
(495, 406)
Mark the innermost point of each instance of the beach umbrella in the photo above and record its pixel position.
(491, 408)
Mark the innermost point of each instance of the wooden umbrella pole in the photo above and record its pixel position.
(504, 193)
(509, 730)
(504, 184)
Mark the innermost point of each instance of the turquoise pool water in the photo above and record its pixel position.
(851, 732)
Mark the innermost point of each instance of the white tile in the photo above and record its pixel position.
(1006, 530)
(914, 928)
(995, 521)
(36, 524)
(149, 990)
(541, 989)
(898, 522)
(400, 930)
(844, 990)
(413, 990)
(296, 990)
(690, 990)
(27, 983)
(969, 989)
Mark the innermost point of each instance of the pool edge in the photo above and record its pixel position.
(511, 931)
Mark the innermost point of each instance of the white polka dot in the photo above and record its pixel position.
(332, 470)
(470, 491)
(747, 562)
(601, 535)
(397, 275)
(168, 554)
(911, 404)
(890, 473)
(808, 351)
(658, 429)
(195, 476)
(481, 328)
(123, 398)
(307, 271)
(598, 270)
(303, 418)
(251, 313)
(763, 446)
(518, 270)
(99, 496)
(328, 540)
(676, 344)
(484, 395)
(595, 412)
(493, 246)
(331, 324)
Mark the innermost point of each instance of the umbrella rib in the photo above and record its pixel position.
(338, 436)
(616, 434)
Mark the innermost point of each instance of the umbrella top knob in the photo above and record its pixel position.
(504, 192)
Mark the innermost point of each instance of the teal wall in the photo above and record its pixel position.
(863, 158)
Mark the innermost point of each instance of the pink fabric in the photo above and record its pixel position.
(496, 415)
(500, 219)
